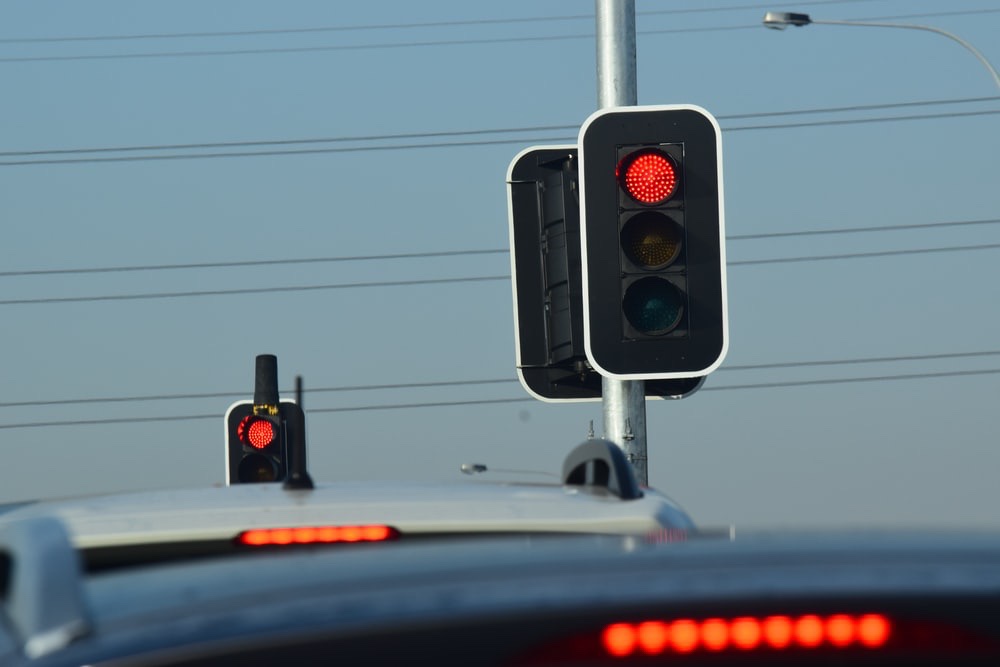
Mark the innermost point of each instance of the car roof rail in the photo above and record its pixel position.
(601, 464)
(41, 585)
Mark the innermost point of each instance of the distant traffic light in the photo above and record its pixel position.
(256, 443)
(258, 432)
(653, 242)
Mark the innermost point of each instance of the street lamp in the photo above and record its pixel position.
(781, 20)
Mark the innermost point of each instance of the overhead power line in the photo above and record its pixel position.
(252, 290)
(856, 230)
(405, 136)
(863, 255)
(400, 26)
(440, 281)
(509, 380)
(855, 380)
(409, 136)
(260, 262)
(460, 253)
(465, 144)
(462, 144)
(410, 44)
(277, 153)
(857, 121)
(229, 394)
(498, 401)
(367, 141)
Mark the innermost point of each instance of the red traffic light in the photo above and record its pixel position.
(256, 432)
(649, 176)
(652, 242)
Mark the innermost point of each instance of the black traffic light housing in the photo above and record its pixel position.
(653, 242)
(544, 216)
(263, 436)
(257, 444)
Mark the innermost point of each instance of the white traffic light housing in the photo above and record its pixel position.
(652, 242)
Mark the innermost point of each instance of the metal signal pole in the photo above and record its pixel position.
(624, 401)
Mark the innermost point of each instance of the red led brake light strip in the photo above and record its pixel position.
(316, 535)
(747, 634)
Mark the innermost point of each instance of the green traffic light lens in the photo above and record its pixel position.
(651, 240)
(653, 306)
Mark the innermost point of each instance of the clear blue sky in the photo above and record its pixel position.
(80, 78)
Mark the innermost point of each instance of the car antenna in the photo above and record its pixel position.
(298, 478)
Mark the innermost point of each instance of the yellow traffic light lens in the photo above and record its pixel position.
(653, 306)
(651, 240)
(257, 468)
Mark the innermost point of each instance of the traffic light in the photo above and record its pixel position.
(257, 444)
(544, 214)
(653, 242)
(262, 434)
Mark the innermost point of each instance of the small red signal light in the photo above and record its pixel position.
(649, 176)
(619, 639)
(683, 636)
(256, 432)
(873, 630)
(777, 631)
(841, 630)
(809, 631)
(745, 633)
(263, 537)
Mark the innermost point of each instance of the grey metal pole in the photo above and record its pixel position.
(624, 401)
(616, 53)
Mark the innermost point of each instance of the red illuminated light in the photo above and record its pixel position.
(777, 631)
(620, 639)
(839, 631)
(648, 176)
(316, 535)
(809, 631)
(260, 434)
(256, 432)
(745, 633)
(873, 630)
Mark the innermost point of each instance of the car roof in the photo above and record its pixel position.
(598, 493)
(44, 545)
(443, 507)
